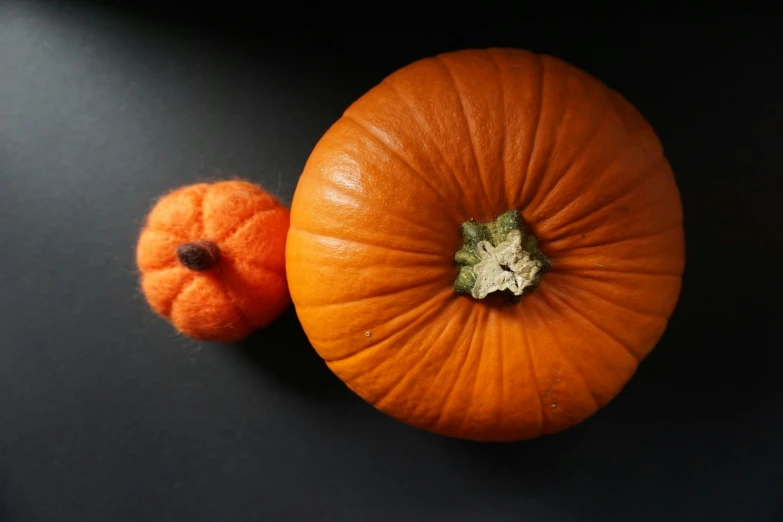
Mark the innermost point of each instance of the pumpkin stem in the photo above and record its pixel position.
(198, 255)
(499, 256)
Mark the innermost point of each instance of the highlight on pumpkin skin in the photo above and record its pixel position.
(212, 259)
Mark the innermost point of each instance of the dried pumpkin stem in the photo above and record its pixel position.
(499, 256)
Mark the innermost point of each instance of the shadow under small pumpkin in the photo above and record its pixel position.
(283, 351)
(212, 259)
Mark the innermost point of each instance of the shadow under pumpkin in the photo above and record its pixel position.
(283, 350)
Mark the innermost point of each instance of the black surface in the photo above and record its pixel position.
(106, 414)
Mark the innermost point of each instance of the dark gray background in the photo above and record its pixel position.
(107, 414)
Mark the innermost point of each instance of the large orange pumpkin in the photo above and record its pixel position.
(417, 283)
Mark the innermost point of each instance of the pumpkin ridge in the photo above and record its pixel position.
(537, 190)
(556, 341)
(368, 130)
(418, 319)
(153, 220)
(161, 268)
(448, 357)
(371, 245)
(533, 372)
(243, 224)
(635, 185)
(594, 294)
(403, 217)
(674, 227)
(540, 104)
(600, 352)
(365, 298)
(479, 332)
(254, 263)
(425, 353)
(555, 295)
(261, 202)
(501, 346)
(175, 295)
(457, 179)
(548, 194)
(200, 217)
(249, 324)
(591, 273)
(145, 276)
(502, 88)
(460, 375)
(141, 264)
(161, 230)
(466, 119)
(426, 132)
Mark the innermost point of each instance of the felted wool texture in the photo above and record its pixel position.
(246, 289)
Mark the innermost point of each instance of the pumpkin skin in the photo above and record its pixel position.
(240, 285)
(375, 225)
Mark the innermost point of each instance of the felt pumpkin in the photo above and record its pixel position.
(212, 259)
(486, 244)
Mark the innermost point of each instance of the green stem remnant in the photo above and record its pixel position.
(498, 256)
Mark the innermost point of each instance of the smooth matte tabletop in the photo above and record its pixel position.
(106, 414)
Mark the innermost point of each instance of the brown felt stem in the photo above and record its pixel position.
(198, 255)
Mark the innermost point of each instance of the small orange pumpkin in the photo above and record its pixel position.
(486, 244)
(212, 259)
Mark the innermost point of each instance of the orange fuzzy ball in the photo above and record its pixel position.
(212, 259)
